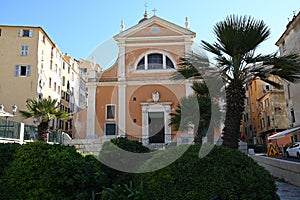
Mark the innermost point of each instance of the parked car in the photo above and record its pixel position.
(293, 150)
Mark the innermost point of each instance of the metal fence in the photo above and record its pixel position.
(16, 132)
(9, 129)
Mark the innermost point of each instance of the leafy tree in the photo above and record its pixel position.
(44, 109)
(237, 65)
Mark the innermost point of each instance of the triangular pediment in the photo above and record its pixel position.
(154, 27)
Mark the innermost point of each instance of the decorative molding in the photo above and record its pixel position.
(155, 96)
(151, 21)
(144, 44)
(147, 107)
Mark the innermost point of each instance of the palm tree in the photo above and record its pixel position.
(186, 112)
(44, 109)
(237, 39)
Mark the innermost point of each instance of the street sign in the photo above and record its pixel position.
(272, 151)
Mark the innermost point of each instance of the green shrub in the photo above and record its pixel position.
(44, 171)
(7, 152)
(121, 192)
(224, 172)
(130, 145)
(110, 152)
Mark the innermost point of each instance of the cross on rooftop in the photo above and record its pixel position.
(154, 11)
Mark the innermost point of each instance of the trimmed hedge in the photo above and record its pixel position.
(224, 173)
(7, 151)
(44, 171)
(108, 153)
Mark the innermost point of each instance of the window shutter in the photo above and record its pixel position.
(21, 33)
(30, 33)
(17, 70)
(28, 70)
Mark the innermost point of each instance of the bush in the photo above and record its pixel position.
(130, 145)
(110, 152)
(121, 192)
(223, 173)
(7, 152)
(44, 171)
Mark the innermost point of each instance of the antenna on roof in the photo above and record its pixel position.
(146, 14)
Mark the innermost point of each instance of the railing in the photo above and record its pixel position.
(11, 131)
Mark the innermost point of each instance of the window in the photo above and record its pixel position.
(42, 55)
(267, 102)
(44, 39)
(110, 128)
(54, 87)
(64, 65)
(24, 50)
(155, 61)
(50, 82)
(22, 70)
(110, 111)
(262, 123)
(63, 81)
(293, 116)
(268, 121)
(25, 33)
(169, 63)
(141, 64)
(267, 87)
(289, 91)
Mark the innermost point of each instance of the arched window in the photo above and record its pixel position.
(169, 63)
(155, 61)
(141, 64)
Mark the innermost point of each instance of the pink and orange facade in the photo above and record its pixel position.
(134, 97)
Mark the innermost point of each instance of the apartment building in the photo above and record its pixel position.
(289, 43)
(265, 113)
(32, 65)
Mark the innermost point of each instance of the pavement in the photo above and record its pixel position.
(287, 191)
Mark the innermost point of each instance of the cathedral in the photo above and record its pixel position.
(135, 96)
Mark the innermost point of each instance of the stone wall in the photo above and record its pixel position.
(289, 171)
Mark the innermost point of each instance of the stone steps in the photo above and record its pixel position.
(86, 146)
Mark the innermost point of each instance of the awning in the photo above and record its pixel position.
(283, 133)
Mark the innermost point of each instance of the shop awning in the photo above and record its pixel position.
(283, 133)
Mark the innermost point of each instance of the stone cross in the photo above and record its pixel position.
(154, 11)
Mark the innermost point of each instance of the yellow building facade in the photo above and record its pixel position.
(265, 112)
(31, 66)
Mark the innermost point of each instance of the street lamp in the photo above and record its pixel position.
(6, 115)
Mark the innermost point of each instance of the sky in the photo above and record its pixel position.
(80, 27)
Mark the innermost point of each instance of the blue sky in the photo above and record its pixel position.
(78, 27)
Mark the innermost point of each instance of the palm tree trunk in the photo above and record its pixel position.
(43, 129)
(198, 135)
(235, 97)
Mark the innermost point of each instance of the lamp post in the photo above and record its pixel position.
(6, 115)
